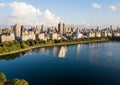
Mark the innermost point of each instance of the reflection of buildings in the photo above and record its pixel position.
(42, 50)
(62, 52)
(94, 45)
(78, 50)
(54, 51)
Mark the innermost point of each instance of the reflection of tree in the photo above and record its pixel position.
(62, 52)
(12, 56)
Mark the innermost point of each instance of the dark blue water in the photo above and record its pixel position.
(82, 64)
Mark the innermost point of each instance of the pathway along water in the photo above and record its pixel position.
(48, 45)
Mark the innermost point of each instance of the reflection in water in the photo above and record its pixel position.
(13, 56)
(42, 50)
(94, 45)
(54, 50)
(29, 52)
(62, 52)
(78, 50)
(105, 53)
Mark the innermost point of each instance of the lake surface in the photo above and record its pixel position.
(82, 64)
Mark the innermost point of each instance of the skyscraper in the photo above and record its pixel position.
(17, 31)
(61, 28)
(42, 28)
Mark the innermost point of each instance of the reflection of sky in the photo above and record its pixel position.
(106, 54)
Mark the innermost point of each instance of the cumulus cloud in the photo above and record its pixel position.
(50, 17)
(96, 6)
(2, 5)
(23, 13)
(27, 14)
(112, 7)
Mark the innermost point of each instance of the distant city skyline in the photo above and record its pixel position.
(51, 12)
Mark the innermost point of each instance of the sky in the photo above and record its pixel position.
(51, 12)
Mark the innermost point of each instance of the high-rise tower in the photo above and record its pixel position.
(61, 28)
(17, 31)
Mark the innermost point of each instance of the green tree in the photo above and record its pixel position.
(19, 82)
(3, 77)
(23, 45)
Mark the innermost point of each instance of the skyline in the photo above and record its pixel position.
(50, 12)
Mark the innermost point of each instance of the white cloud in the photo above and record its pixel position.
(2, 5)
(50, 17)
(96, 6)
(112, 7)
(26, 14)
(23, 13)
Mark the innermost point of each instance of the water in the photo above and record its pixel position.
(82, 64)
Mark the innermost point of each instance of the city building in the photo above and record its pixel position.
(17, 31)
(54, 36)
(61, 28)
(28, 35)
(41, 36)
(78, 34)
(7, 37)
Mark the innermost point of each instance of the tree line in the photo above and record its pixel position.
(5, 81)
(15, 45)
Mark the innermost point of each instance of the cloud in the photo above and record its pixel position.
(27, 14)
(50, 17)
(96, 6)
(2, 5)
(22, 13)
(112, 7)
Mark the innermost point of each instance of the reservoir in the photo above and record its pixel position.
(81, 64)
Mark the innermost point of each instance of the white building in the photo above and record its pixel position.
(54, 36)
(97, 34)
(91, 34)
(78, 34)
(41, 36)
(7, 37)
(28, 36)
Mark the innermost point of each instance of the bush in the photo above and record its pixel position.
(4, 81)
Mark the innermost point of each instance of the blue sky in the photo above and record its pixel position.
(77, 12)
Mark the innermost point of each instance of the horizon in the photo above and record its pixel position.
(68, 25)
(50, 13)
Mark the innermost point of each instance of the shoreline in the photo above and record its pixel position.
(50, 45)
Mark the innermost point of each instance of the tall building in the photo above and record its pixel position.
(17, 31)
(61, 28)
(111, 27)
(42, 28)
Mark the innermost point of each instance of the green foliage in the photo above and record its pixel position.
(49, 42)
(19, 82)
(24, 45)
(14, 46)
(4, 81)
(1, 83)
(3, 77)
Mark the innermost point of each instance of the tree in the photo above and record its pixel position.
(19, 82)
(4, 81)
(23, 45)
(3, 77)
